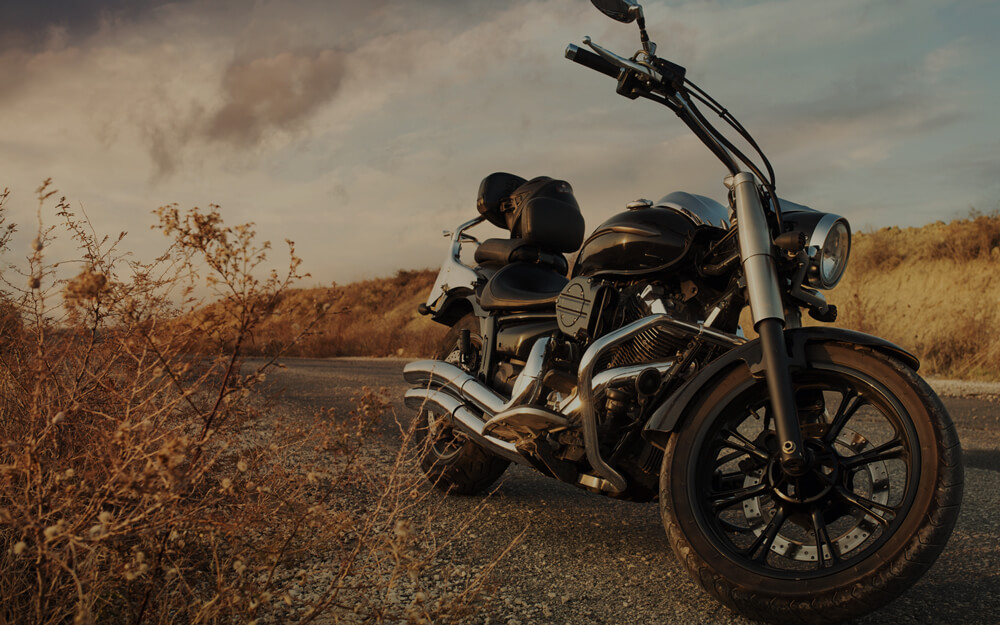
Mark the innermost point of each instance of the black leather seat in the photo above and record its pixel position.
(522, 286)
(500, 252)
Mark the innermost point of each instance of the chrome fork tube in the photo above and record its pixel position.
(764, 290)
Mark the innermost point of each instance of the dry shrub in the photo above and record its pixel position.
(139, 478)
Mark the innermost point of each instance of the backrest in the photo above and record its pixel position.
(544, 212)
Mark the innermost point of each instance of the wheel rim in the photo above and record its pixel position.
(864, 463)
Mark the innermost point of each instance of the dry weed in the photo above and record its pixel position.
(140, 481)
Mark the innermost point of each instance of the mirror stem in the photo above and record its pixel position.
(648, 46)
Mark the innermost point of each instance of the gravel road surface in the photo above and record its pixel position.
(589, 559)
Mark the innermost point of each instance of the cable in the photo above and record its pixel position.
(768, 181)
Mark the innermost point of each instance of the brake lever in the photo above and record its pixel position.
(613, 58)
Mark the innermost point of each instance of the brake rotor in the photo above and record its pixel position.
(758, 514)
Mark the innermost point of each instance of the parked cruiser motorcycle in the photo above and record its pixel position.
(806, 475)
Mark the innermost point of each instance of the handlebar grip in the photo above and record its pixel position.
(591, 60)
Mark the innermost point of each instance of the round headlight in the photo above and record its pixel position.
(832, 238)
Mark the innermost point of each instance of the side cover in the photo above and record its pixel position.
(671, 413)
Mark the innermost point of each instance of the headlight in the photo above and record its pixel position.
(831, 240)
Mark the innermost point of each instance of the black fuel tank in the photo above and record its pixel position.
(636, 242)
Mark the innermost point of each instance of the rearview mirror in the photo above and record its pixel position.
(624, 11)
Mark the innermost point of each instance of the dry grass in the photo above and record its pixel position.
(934, 290)
(140, 483)
(370, 318)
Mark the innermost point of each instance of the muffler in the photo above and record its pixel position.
(461, 384)
(464, 419)
(443, 375)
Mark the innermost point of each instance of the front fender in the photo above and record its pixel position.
(670, 414)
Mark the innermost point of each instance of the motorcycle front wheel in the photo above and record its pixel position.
(859, 527)
(449, 459)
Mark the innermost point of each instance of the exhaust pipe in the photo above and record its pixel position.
(444, 375)
(464, 419)
(447, 376)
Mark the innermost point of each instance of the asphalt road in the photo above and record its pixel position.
(590, 559)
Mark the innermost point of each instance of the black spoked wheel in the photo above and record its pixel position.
(451, 461)
(866, 519)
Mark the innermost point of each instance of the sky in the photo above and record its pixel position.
(361, 130)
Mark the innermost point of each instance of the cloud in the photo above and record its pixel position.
(277, 92)
(257, 99)
(40, 25)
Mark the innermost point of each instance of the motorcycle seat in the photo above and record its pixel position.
(500, 252)
(522, 286)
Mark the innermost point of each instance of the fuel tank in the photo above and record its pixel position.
(649, 239)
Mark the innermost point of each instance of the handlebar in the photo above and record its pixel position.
(663, 82)
(591, 60)
(646, 80)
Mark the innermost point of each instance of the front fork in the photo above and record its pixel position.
(764, 290)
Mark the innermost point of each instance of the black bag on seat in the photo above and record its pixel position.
(494, 191)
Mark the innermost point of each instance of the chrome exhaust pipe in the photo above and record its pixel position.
(443, 375)
(464, 419)
(527, 386)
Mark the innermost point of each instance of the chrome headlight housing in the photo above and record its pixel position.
(829, 249)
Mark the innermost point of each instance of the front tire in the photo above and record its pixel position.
(861, 526)
(450, 460)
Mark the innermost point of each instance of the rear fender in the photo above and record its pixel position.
(669, 415)
(454, 305)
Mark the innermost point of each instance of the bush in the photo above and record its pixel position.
(141, 481)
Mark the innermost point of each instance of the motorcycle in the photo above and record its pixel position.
(808, 474)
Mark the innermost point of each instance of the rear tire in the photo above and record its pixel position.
(451, 461)
(869, 518)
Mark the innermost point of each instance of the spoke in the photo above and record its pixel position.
(766, 538)
(728, 481)
(822, 539)
(869, 507)
(733, 455)
(851, 402)
(729, 497)
(728, 475)
(745, 445)
(886, 451)
(731, 527)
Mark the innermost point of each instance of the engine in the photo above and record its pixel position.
(588, 308)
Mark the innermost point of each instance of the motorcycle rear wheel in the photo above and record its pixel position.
(450, 460)
(861, 526)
